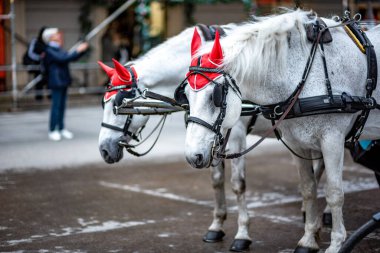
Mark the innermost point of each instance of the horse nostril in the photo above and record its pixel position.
(107, 158)
(104, 153)
(199, 160)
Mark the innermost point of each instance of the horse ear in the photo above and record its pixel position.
(109, 71)
(196, 42)
(216, 55)
(121, 71)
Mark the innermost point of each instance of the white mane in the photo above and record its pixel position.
(255, 49)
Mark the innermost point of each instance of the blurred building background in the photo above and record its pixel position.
(145, 24)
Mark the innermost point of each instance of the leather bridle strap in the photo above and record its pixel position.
(120, 87)
(219, 120)
(128, 121)
(201, 122)
(149, 94)
(116, 128)
(124, 130)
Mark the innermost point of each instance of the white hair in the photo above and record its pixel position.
(47, 33)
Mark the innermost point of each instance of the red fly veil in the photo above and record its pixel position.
(210, 60)
(119, 76)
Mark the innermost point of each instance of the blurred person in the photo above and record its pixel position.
(56, 61)
(33, 56)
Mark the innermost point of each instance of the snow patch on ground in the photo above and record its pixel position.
(86, 227)
(156, 193)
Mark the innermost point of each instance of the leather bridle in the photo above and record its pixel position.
(219, 140)
(131, 93)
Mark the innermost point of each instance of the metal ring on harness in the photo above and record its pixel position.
(278, 108)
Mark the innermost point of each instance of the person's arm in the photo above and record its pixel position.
(63, 57)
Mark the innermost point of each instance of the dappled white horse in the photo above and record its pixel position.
(162, 68)
(267, 59)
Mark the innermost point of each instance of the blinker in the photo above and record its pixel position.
(217, 95)
(121, 94)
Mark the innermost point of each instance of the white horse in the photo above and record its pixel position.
(267, 59)
(162, 68)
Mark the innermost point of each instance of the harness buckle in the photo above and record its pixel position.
(369, 85)
(371, 103)
(143, 93)
(116, 110)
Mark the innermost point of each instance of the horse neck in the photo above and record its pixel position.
(164, 66)
(276, 83)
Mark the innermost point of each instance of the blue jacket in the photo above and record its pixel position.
(56, 62)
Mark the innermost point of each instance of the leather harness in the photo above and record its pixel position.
(330, 103)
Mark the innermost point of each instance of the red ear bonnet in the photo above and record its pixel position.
(212, 60)
(109, 71)
(122, 72)
(196, 42)
(118, 76)
(216, 55)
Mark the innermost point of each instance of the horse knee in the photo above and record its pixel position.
(238, 186)
(308, 191)
(217, 179)
(334, 196)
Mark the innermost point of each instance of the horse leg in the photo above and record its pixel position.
(319, 168)
(242, 240)
(215, 231)
(333, 153)
(308, 186)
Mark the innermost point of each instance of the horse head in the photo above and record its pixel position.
(209, 91)
(118, 129)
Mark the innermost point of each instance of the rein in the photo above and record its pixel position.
(130, 147)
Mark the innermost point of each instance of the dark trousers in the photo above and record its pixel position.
(58, 106)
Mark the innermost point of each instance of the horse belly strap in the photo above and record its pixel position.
(320, 105)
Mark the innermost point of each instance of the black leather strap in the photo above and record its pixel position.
(200, 122)
(153, 95)
(119, 129)
(354, 135)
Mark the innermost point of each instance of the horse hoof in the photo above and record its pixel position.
(240, 245)
(301, 249)
(327, 219)
(213, 236)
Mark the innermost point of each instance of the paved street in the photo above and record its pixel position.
(61, 197)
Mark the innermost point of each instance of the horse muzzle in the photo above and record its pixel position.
(110, 151)
(199, 160)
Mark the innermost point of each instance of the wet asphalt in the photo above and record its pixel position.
(158, 204)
